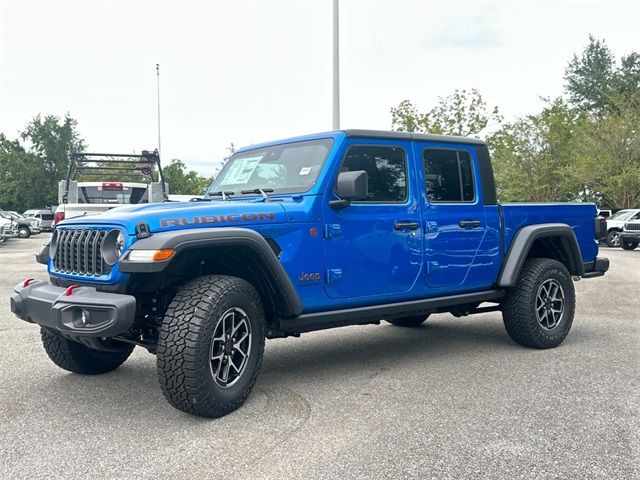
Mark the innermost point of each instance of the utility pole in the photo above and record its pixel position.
(336, 65)
(158, 84)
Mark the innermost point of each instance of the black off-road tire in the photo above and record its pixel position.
(613, 239)
(184, 360)
(411, 322)
(627, 245)
(519, 304)
(78, 358)
(24, 232)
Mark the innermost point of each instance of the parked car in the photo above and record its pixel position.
(605, 213)
(27, 226)
(334, 229)
(630, 235)
(10, 228)
(616, 222)
(77, 199)
(44, 215)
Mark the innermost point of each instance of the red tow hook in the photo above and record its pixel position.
(70, 290)
(27, 282)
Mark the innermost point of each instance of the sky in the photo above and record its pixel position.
(252, 71)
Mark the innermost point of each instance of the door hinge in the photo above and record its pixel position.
(333, 274)
(332, 230)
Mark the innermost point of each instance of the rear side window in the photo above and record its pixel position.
(449, 175)
(386, 169)
(113, 195)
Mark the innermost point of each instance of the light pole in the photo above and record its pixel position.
(336, 65)
(158, 85)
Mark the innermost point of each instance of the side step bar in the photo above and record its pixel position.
(361, 315)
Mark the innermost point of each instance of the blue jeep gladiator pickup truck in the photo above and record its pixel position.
(340, 228)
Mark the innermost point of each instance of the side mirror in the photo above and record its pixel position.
(350, 186)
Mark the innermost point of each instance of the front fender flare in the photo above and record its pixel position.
(524, 239)
(181, 240)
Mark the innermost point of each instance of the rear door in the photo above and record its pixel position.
(454, 213)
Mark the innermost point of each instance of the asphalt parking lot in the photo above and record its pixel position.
(453, 399)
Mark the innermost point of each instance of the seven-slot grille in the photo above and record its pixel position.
(632, 226)
(80, 251)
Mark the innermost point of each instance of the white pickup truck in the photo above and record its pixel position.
(80, 198)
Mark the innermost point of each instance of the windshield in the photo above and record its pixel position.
(621, 215)
(290, 168)
(117, 194)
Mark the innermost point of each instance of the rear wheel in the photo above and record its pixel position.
(414, 321)
(627, 245)
(613, 239)
(77, 358)
(538, 311)
(210, 345)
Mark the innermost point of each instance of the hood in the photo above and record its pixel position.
(180, 215)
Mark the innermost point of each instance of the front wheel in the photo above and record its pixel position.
(78, 358)
(210, 345)
(613, 239)
(538, 311)
(24, 232)
(627, 245)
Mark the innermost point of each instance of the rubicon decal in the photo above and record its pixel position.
(209, 219)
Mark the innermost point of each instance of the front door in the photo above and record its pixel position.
(454, 214)
(374, 247)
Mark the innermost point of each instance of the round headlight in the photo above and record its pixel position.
(119, 244)
(113, 246)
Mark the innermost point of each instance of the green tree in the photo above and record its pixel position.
(464, 112)
(534, 157)
(32, 165)
(595, 82)
(183, 182)
(22, 175)
(53, 138)
(608, 150)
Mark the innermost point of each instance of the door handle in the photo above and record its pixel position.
(405, 225)
(469, 223)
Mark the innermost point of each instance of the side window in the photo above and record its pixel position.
(449, 175)
(386, 168)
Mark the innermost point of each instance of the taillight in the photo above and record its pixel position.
(111, 186)
(58, 217)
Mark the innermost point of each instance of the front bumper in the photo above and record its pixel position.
(105, 314)
(10, 232)
(630, 236)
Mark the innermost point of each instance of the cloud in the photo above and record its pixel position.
(473, 33)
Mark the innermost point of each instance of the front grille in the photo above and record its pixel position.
(80, 252)
(632, 226)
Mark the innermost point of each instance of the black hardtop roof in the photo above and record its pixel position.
(412, 136)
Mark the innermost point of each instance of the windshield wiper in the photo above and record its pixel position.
(261, 191)
(224, 194)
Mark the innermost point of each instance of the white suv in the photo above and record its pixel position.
(10, 229)
(615, 224)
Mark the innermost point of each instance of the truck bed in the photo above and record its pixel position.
(579, 216)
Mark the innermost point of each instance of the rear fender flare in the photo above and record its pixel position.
(524, 240)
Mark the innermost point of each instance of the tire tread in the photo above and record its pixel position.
(518, 316)
(183, 377)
